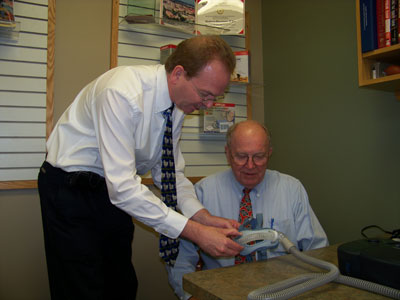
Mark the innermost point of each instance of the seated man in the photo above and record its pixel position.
(281, 199)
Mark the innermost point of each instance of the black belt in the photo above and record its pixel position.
(79, 179)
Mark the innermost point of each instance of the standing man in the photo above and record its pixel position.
(248, 189)
(90, 187)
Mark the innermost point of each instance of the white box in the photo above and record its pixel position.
(219, 118)
(241, 72)
(226, 15)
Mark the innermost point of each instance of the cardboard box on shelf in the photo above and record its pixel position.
(219, 118)
(178, 14)
(228, 16)
(166, 51)
(241, 72)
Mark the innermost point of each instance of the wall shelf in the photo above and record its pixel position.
(204, 136)
(133, 20)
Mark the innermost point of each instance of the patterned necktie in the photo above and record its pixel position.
(245, 214)
(168, 246)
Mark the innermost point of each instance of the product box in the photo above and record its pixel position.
(6, 12)
(228, 16)
(219, 118)
(166, 51)
(178, 14)
(241, 72)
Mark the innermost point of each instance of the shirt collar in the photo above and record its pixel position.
(239, 188)
(162, 95)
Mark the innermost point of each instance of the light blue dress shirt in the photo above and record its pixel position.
(279, 197)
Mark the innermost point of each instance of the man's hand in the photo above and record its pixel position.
(205, 218)
(215, 241)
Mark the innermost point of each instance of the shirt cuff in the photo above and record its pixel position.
(173, 224)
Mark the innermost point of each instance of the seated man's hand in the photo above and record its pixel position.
(205, 218)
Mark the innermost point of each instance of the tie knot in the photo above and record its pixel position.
(246, 191)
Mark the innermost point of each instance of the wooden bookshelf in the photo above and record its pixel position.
(366, 60)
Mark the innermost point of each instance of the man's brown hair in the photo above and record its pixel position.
(195, 53)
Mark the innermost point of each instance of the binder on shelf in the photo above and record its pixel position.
(394, 15)
(388, 38)
(380, 22)
(398, 21)
(368, 19)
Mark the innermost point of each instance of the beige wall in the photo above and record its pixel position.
(82, 52)
(340, 140)
(253, 7)
(82, 47)
(23, 273)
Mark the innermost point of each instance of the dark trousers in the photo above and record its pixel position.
(87, 239)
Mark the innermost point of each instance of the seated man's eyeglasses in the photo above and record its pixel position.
(242, 159)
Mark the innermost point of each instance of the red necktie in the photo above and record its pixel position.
(245, 213)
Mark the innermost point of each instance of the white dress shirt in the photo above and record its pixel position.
(114, 128)
(280, 198)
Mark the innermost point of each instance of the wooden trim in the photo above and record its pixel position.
(149, 181)
(21, 184)
(359, 50)
(114, 34)
(249, 106)
(247, 44)
(32, 184)
(195, 179)
(51, 23)
(51, 36)
(247, 30)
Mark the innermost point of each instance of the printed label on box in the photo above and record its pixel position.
(241, 72)
(229, 16)
(219, 118)
(166, 51)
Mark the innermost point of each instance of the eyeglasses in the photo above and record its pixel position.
(242, 159)
(203, 95)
